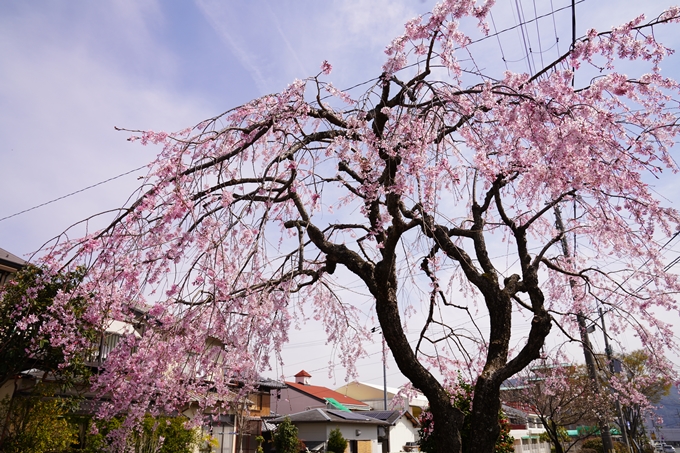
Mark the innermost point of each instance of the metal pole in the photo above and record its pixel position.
(384, 360)
(608, 351)
(607, 443)
(384, 375)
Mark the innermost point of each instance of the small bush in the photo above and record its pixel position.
(336, 443)
(285, 437)
(595, 444)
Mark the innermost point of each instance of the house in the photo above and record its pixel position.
(315, 425)
(237, 430)
(526, 429)
(374, 396)
(234, 430)
(670, 436)
(398, 427)
(9, 264)
(402, 432)
(300, 395)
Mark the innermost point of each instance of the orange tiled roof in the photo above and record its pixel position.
(322, 393)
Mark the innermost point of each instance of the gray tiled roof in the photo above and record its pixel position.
(386, 416)
(11, 260)
(319, 415)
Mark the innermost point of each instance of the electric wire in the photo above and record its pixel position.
(538, 36)
(552, 13)
(499, 41)
(557, 38)
(72, 193)
(496, 34)
(525, 31)
(523, 37)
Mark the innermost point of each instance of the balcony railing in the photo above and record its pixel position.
(107, 343)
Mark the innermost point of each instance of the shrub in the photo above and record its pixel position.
(595, 444)
(285, 437)
(336, 443)
(36, 423)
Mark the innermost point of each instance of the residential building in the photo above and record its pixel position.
(526, 428)
(237, 430)
(300, 396)
(315, 425)
(401, 434)
(9, 264)
(374, 396)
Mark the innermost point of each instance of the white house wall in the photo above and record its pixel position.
(373, 395)
(349, 432)
(401, 433)
(527, 441)
(379, 404)
(321, 432)
(311, 431)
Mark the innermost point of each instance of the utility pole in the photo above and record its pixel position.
(607, 442)
(384, 359)
(612, 368)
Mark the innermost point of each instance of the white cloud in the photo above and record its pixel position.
(280, 41)
(61, 100)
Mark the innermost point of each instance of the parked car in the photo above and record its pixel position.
(668, 449)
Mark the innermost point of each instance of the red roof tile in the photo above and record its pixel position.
(324, 392)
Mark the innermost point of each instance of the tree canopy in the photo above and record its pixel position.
(36, 423)
(638, 387)
(561, 395)
(434, 186)
(32, 325)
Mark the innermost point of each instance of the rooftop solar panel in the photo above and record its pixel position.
(349, 415)
(380, 415)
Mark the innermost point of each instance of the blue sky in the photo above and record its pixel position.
(72, 70)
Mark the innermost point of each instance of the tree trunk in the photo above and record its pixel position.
(486, 403)
(484, 424)
(553, 431)
(448, 419)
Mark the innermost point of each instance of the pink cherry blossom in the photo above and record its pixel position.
(437, 197)
(326, 67)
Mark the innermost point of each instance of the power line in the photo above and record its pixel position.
(72, 193)
(499, 41)
(552, 13)
(557, 38)
(490, 35)
(525, 37)
(538, 36)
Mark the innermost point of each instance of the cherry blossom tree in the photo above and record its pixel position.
(639, 387)
(434, 186)
(561, 395)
